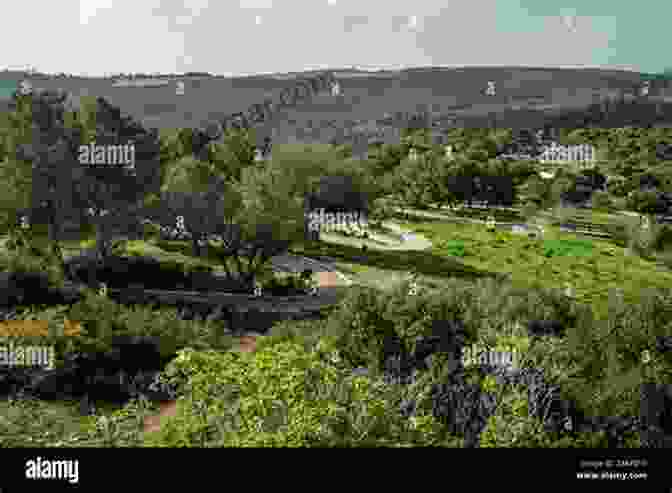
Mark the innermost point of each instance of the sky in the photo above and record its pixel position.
(241, 37)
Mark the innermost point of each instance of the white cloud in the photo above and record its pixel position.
(184, 20)
(413, 22)
(152, 35)
(197, 6)
(256, 4)
(88, 9)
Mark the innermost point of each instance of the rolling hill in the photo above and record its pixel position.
(523, 93)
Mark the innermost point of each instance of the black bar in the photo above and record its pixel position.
(514, 469)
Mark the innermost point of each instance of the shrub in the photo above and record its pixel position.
(26, 253)
(623, 230)
(285, 396)
(29, 287)
(629, 233)
(500, 308)
(607, 367)
(512, 427)
(33, 423)
(119, 272)
(602, 201)
(373, 327)
(361, 327)
(662, 239)
(103, 319)
(287, 284)
(648, 202)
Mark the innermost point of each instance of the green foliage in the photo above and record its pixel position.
(646, 202)
(26, 251)
(297, 390)
(286, 396)
(368, 323)
(102, 319)
(454, 248)
(560, 248)
(662, 237)
(172, 148)
(608, 365)
(601, 201)
(187, 174)
(288, 282)
(269, 200)
(628, 232)
(529, 210)
(512, 427)
(362, 327)
(29, 423)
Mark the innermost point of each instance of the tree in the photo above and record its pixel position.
(266, 220)
(114, 195)
(188, 174)
(234, 152)
(204, 214)
(37, 167)
(108, 198)
(389, 158)
(319, 176)
(466, 172)
(414, 182)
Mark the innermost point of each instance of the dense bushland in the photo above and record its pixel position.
(383, 368)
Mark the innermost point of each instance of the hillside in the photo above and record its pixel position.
(525, 96)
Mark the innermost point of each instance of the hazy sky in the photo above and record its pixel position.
(96, 37)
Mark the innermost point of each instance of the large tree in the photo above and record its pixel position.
(65, 189)
(266, 219)
(113, 195)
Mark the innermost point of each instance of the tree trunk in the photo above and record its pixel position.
(195, 247)
(54, 233)
(101, 252)
(103, 243)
